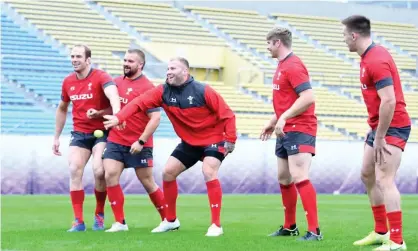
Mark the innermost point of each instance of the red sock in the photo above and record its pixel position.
(308, 196)
(215, 200)
(289, 199)
(158, 200)
(117, 199)
(100, 201)
(395, 225)
(380, 221)
(170, 195)
(77, 199)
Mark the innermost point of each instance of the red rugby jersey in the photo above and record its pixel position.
(85, 94)
(135, 125)
(378, 70)
(199, 115)
(290, 79)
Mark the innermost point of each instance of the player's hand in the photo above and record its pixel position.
(229, 147)
(110, 121)
(56, 147)
(121, 126)
(380, 150)
(279, 127)
(136, 148)
(267, 132)
(93, 113)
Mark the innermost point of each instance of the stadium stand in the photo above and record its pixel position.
(30, 62)
(326, 35)
(250, 28)
(22, 116)
(339, 109)
(402, 35)
(66, 21)
(151, 19)
(19, 49)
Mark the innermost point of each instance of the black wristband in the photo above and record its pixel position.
(141, 142)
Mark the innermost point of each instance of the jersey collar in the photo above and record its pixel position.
(91, 70)
(140, 76)
(288, 56)
(368, 49)
(188, 81)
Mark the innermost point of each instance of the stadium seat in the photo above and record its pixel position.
(340, 111)
(151, 19)
(54, 18)
(250, 29)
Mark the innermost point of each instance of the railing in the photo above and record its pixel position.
(249, 78)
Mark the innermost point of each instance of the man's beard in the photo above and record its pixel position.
(130, 73)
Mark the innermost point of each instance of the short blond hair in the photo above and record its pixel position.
(282, 34)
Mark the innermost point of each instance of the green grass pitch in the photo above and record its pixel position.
(40, 223)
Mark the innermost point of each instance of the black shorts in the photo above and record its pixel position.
(86, 140)
(121, 153)
(394, 136)
(294, 143)
(190, 155)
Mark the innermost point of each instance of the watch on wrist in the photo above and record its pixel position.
(141, 142)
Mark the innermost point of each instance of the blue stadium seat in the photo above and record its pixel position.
(38, 67)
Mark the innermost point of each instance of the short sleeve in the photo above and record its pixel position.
(64, 93)
(380, 74)
(157, 109)
(298, 78)
(106, 80)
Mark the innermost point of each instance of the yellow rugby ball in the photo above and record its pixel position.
(98, 133)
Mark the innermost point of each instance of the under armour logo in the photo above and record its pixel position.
(72, 88)
(128, 91)
(214, 145)
(363, 70)
(89, 85)
(294, 147)
(214, 205)
(190, 98)
(143, 161)
(173, 100)
(394, 230)
(113, 203)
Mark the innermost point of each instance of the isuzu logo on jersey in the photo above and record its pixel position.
(123, 100)
(81, 96)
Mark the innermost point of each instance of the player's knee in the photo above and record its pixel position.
(368, 178)
(170, 173)
(110, 175)
(299, 173)
(99, 174)
(384, 183)
(210, 172)
(148, 183)
(285, 180)
(76, 171)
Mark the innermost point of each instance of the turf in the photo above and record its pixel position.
(40, 223)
